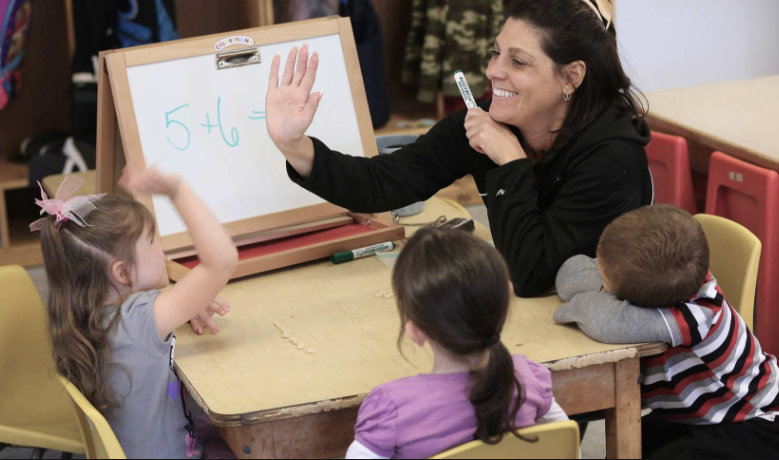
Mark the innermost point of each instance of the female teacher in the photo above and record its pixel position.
(558, 153)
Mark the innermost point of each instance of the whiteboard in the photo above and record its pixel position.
(208, 126)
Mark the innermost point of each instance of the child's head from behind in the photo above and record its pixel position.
(88, 267)
(453, 289)
(654, 257)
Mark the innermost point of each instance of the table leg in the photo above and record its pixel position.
(623, 422)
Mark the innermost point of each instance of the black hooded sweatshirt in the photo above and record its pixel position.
(539, 215)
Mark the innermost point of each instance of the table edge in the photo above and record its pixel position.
(636, 351)
(713, 141)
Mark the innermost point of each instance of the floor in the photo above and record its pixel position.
(593, 447)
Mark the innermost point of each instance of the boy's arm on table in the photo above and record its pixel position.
(607, 319)
(603, 316)
(578, 274)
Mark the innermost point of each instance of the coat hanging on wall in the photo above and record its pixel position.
(367, 35)
(446, 36)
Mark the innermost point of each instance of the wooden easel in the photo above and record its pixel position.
(119, 141)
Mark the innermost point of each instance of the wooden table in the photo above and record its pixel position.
(739, 118)
(270, 400)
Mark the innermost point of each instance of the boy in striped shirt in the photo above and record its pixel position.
(714, 393)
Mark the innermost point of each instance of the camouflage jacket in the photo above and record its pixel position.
(449, 35)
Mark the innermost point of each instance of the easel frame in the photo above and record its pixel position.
(119, 141)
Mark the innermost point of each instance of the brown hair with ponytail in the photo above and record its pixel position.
(78, 263)
(454, 287)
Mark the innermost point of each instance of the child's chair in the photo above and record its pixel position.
(99, 438)
(456, 206)
(735, 259)
(34, 411)
(670, 166)
(749, 195)
(556, 440)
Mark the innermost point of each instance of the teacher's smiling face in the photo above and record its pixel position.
(528, 87)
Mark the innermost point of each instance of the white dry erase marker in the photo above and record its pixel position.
(470, 102)
(341, 257)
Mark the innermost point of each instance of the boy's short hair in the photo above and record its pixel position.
(655, 256)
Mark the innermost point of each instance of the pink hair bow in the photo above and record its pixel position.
(64, 207)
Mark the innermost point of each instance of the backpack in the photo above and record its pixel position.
(15, 18)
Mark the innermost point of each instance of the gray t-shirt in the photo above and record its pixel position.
(150, 422)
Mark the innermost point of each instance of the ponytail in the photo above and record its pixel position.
(455, 288)
(497, 396)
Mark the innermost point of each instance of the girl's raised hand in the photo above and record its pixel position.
(138, 180)
(289, 105)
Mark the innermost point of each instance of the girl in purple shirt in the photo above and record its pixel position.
(453, 292)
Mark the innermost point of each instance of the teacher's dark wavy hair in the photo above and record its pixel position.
(573, 32)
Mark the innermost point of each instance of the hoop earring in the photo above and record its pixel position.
(567, 96)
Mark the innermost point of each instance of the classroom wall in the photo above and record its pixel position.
(671, 43)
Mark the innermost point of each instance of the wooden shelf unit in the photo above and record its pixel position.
(17, 245)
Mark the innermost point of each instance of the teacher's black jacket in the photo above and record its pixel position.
(539, 216)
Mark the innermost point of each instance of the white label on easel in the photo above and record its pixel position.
(236, 40)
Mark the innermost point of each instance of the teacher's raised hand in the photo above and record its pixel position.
(290, 107)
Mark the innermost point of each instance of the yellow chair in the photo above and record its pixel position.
(34, 411)
(556, 440)
(99, 438)
(456, 206)
(735, 259)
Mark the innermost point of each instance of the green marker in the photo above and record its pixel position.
(341, 257)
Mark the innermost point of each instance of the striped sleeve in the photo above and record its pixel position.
(672, 326)
(694, 323)
(716, 372)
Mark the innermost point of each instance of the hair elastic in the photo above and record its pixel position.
(492, 341)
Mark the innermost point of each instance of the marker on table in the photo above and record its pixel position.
(465, 90)
(341, 257)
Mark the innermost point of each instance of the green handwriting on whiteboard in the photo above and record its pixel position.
(208, 124)
(231, 141)
(233, 132)
(169, 122)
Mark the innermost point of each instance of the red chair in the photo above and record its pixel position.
(670, 167)
(749, 195)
